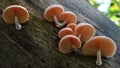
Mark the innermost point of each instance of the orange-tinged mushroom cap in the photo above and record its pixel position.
(72, 26)
(103, 43)
(68, 16)
(69, 43)
(53, 10)
(65, 31)
(85, 30)
(15, 10)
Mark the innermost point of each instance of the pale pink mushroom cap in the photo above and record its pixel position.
(105, 44)
(53, 10)
(68, 16)
(85, 30)
(15, 10)
(69, 43)
(65, 31)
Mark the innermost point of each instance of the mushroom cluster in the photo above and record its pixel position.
(57, 14)
(74, 35)
(82, 31)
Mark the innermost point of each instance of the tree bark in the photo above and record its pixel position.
(36, 45)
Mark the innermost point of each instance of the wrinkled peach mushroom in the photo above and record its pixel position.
(72, 26)
(69, 43)
(65, 31)
(100, 46)
(52, 13)
(84, 31)
(15, 14)
(67, 17)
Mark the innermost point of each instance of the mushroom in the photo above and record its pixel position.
(52, 13)
(15, 14)
(65, 31)
(84, 31)
(67, 17)
(100, 46)
(72, 26)
(69, 43)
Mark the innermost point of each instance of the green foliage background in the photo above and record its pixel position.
(113, 10)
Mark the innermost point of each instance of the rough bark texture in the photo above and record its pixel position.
(36, 45)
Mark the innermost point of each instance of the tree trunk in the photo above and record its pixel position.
(36, 45)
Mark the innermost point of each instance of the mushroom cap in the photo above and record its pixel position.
(53, 10)
(15, 10)
(85, 30)
(103, 43)
(65, 31)
(66, 43)
(72, 26)
(68, 16)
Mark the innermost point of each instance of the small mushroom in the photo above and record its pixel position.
(15, 14)
(69, 43)
(72, 26)
(52, 13)
(65, 31)
(84, 31)
(67, 17)
(100, 46)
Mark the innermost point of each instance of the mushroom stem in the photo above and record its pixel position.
(58, 24)
(98, 61)
(79, 36)
(74, 48)
(61, 24)
(56, 21)
(17, 25)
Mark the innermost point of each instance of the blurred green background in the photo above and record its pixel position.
(110, 8)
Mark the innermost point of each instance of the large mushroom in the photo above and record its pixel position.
(15, 14)
(100, 46)
(65, 31)
(69, 43)
(67, 17)
(52, 13)
(84, 31)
